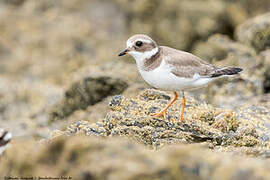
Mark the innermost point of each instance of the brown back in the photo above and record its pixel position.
(186, 64)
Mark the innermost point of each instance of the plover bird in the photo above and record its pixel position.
(170, 69)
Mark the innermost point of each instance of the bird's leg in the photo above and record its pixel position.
(163, 112)
(183, 106)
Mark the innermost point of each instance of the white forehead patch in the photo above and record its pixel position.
(129, 44)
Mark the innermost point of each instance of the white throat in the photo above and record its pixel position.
(141, 56)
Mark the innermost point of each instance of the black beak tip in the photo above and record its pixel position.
(121, 54)
(124, 52)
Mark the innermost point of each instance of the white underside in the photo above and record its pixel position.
(162, 78)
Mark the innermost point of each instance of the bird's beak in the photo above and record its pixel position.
(124, 52)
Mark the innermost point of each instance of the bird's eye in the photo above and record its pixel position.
(139, 43)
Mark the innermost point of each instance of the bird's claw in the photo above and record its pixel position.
(160, 114)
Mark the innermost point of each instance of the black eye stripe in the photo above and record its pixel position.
(139, 43)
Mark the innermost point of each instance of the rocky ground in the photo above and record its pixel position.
(76, 110)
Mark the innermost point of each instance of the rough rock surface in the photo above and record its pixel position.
(87, 92)
(113, 158)
(91, 87)
(248, 127)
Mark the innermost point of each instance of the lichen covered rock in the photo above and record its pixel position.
(202, 123)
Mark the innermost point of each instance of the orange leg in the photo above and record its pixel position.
(183, 106)
(163, 112)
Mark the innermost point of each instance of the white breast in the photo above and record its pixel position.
(162, 78)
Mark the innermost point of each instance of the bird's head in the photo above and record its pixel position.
(140, 47)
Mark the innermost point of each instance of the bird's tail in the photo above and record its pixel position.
(226, 71)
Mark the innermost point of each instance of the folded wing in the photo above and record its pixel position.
(186, 65)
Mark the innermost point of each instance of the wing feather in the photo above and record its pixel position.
(186, 64)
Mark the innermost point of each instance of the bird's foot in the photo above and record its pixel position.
(160, 114)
